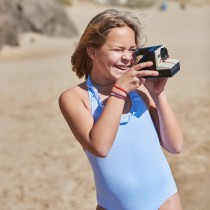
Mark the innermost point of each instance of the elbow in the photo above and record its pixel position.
(99, 148)
(101, 152)
(173, 150)
(177, 149)
(102, 155)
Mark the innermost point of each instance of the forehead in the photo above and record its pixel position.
(121, 35)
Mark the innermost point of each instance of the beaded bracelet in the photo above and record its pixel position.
(117, 95)
(119, 88)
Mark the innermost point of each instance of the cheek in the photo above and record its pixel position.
(113, 58)
(108, 60)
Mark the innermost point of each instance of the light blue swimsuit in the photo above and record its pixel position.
(135, 175)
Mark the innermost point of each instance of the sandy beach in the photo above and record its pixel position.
(42, 166)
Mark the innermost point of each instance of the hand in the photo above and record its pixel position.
(134, 77)
(155, 86)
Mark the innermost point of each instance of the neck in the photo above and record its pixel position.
(103, 88)
(100, 84)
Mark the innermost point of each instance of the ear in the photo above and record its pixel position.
(91, 52)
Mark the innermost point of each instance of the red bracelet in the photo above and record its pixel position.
(117, 95)
(119, 88)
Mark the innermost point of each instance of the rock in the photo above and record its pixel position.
(8, 33)
(42, 16)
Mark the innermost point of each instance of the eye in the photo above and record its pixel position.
(132, 50)
(117, 50)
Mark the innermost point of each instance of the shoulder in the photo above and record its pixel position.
(74, 95)
(73, 92)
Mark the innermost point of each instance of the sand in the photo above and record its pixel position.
(42, 166)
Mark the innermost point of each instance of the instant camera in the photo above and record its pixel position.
(167, 67)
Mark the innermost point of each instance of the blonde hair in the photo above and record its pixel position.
(95, 36)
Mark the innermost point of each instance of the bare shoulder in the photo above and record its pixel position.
(76, 91)
(75, 107)
(75, 95)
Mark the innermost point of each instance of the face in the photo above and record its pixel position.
(115, 56)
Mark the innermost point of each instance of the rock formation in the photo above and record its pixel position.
(42, 16)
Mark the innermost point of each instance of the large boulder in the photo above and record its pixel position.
(42, 16)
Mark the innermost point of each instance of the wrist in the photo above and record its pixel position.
(116, 95)
(159, 98)
(119, 90)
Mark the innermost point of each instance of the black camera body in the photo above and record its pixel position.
(167, 67)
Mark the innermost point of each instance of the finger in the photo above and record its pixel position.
(136, 81)
(143, 65)
(141, 81)
(144, 73)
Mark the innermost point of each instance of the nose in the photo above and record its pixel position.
(127, 55)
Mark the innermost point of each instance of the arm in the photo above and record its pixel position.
(167, 125)
(169, 128)
(95, 137)
(99, 137)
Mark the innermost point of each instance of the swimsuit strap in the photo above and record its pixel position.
(93, 91)
(97, 104)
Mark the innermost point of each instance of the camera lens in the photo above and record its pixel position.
(164, 53)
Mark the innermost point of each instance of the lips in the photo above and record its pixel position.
(124, 68)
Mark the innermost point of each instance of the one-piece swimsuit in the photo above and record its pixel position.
(135, 175)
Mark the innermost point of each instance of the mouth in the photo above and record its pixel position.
(123, 68)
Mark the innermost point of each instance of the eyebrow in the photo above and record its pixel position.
(132, 47)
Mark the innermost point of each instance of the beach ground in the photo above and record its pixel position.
(42, 166)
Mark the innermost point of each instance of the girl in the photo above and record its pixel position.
(122, 119)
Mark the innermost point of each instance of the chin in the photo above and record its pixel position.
(116, 76)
